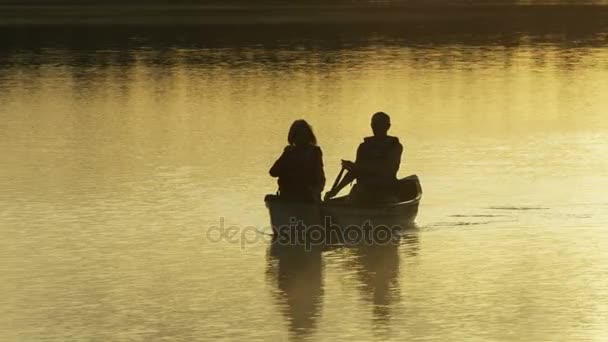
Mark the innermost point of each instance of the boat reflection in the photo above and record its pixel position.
(296, 274)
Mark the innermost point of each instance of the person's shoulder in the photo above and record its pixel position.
(304, 149)
(317, 149)
(393, 140)
(365, 145)
(367, 141)
(396, 144)
(388, 140)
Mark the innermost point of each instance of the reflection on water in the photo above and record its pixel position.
(297, 274)
(122, 147)
(378, 270)
(296, 278)
(377, 267)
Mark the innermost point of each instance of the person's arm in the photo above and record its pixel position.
(350, 176)
(277, 168)
(363, 165)
(319, 180)
(395, 159)
(321, 171)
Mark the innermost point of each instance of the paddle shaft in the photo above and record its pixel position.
(337, 181)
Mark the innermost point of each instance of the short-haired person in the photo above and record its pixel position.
(376, 166)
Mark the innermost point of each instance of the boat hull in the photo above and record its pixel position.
(402, 215)
(339, 212)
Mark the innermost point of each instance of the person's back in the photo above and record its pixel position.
(376, 166)
(300, 167)
(378, 160)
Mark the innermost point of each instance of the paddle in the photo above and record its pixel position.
(336, 182)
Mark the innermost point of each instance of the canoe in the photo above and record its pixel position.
(343, 213)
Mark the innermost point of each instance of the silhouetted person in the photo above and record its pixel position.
(300, 167)
(376, 166)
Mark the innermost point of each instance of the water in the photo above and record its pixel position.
(123, 149)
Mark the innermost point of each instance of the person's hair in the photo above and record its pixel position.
(300, 133)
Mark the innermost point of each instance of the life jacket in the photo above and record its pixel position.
(379, 158)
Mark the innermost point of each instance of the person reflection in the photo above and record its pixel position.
(298, 277)
(300, 167)
(377, 268)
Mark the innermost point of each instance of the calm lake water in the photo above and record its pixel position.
(122, 149)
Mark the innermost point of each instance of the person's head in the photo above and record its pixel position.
(301, 133)
(381, 122)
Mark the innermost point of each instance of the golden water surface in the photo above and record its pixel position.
(116, 163)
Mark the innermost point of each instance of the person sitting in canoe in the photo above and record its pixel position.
(300, 167)
(376, 166)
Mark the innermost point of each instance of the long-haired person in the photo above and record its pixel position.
(300, 167)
